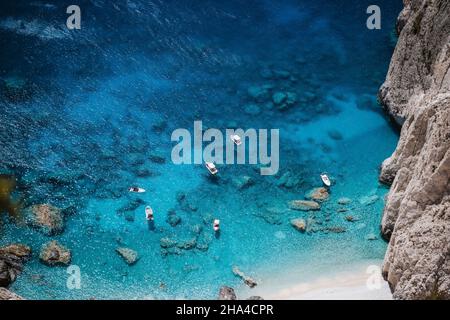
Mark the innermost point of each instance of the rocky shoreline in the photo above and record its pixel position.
(416, 94)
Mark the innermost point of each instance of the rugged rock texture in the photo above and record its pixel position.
(46, 218)
(227, 293)
(12, 258)
(53, 254)
(5, 294)
(416, 94)
(129, 256)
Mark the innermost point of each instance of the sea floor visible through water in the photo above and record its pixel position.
(87, 113)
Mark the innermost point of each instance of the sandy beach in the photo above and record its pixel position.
(360, 282)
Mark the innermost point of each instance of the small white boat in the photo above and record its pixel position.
(136, 190)
(326, 181)
(149, 213)
(236, 139)
(216, 225)
(211, 167)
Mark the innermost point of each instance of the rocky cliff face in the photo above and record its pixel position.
(416, 94)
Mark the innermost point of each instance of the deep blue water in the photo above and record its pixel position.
(88, 108)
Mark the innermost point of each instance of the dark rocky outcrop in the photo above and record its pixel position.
(12, 259)
(227, 293)
(416, 94)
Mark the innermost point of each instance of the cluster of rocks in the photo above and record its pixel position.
(228, 293)
(12, 259)
(279, 91)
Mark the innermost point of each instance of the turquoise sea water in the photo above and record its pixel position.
(85, 112)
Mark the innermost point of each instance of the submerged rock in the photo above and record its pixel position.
(344, 201)
(12, 258)
(129, 256)
(371, 237)
(304, 205)
(335, 135)
(368, 200)
(259, 93)
(288, 180)
(299, 224)
(167, 242)
(53, 254)
(46, 218)
(243, 182)
(172, 218)
(318, 194)
(157, 159)
(252, 109)
(227, 293)
(187, 244)
(334, 229)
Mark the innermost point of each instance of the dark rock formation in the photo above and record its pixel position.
(227, 293)
(416, 94)
(12, 258)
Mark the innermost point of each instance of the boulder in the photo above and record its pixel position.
(173, 219)
(46, 218)
(304, 205)
(53, 254)
(247, 280)
(318, 194)
(129, 256)
(227, 293)
(5, 294)
(299, 224)
(12, 259)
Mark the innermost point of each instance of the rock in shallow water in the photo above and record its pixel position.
(299, 224)
(5, 294)
(53, 254)
(304, 205)
(227, 293)
(46, 218)
(12, 258)
(129, 256)
(247, 280)
(318, 194)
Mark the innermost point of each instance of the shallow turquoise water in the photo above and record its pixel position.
(98, 103)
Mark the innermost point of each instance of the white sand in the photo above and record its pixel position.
(358, 283)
